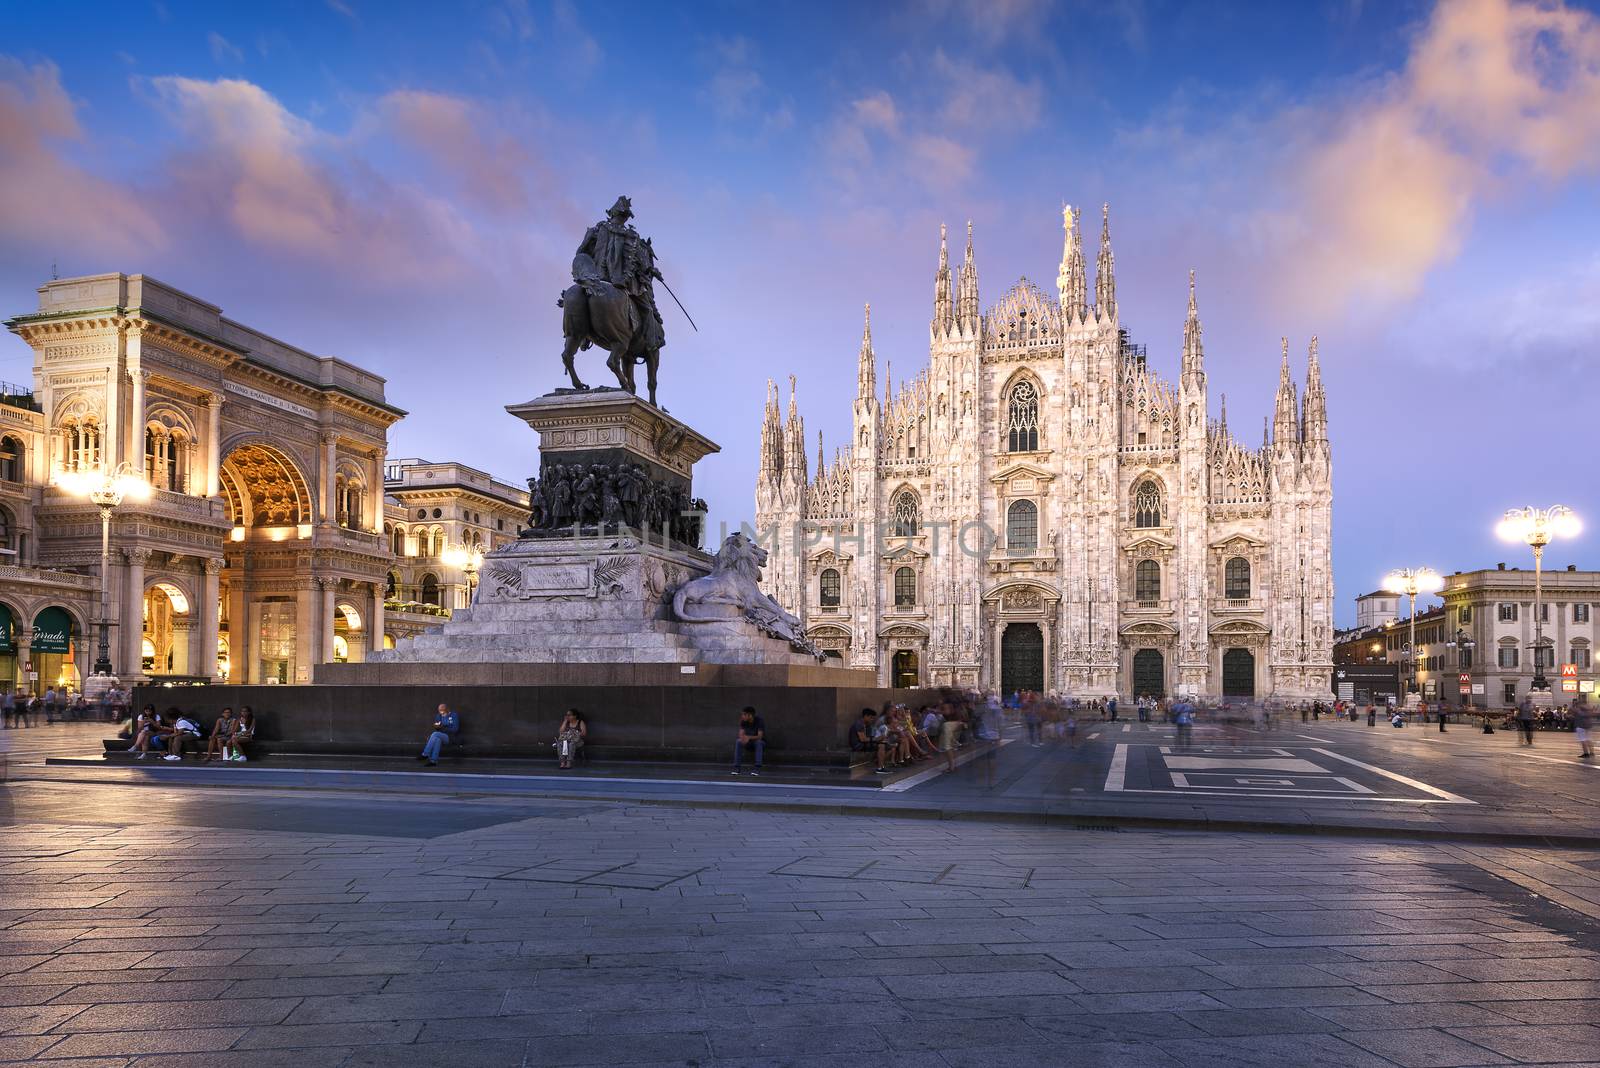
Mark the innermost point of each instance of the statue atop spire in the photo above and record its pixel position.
(1105, 270)
(967, 310)
(1071, 281)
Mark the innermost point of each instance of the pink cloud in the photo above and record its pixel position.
(50, 199)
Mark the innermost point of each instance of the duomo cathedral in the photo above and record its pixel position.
(1037, 509)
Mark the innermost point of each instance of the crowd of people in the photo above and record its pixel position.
(23, 708)
(169, 734)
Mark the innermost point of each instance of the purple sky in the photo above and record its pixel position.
(404, 189)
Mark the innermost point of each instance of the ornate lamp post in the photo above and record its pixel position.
(105, 490)
(469, 558)
(1538, 527)
(1412, 581)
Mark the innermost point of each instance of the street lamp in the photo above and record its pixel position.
(1412, 581)
(1538, 527)
(1463, 645)
(469, 558)
(105, 490)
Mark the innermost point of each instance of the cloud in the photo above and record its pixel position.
(1493, 92)
(282, 186)
(736, 91)
(222, 50)
(976, 98)
(50, 201)
(339, 7)
(489, 168)
(577, 44)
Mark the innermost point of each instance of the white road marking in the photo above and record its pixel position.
(1127, 727)
(1445, 795)
(1297, 797)
(1118, 775)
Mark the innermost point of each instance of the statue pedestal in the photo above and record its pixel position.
(609, 426)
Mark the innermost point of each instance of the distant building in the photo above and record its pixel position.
(1377, 609)
(1494, 608)
(428, 509)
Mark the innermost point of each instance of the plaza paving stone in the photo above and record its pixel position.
(196, 927)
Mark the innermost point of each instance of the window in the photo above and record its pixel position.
(1580, 613)
(1544, 611)
(1022, 419)
(422, 513)
(829, 585)
(430, 589)
(1237, 579)
(6, 535)
(1580, 657)
(437, 513)
(904, 515)
(1510, 693)
(1507, 612)
(1508, 656)
(1464, 614)
(397, 540)
(391, 585)
(166, 459)
(1544, 657)
(1022, 525)
(1464, 659)
(11, 468)
(905, 588)
(80, 445)
(1147, 581)
(1147, 504)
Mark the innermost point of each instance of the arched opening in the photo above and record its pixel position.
(1147, 582)
(391, 586)
(1147, 504)
(1022, 526)
(828, 587)
(904, 671)
(905, 588)
(1236, 578)
(388, 641)
(349, 496)
(430, 589)
(1022, 418)
(347, 634)
(165, 637)
(1149, 673)
(224, 661)
(264, 489)
(166, 458)
(10, 666)
(80, 444)
(10, 540)
(1238, 673)
(56, 649)
(1022, 658)
(12, 468)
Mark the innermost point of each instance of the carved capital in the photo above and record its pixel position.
(329, 437)
(137, 557)
(213, 567)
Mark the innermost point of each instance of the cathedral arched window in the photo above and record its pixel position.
(1022, 419)
(1022, 525)
(905, 515)
(1147, 504)
(828, 583)
(1236, 578)
(905, 588)
(1147, 581)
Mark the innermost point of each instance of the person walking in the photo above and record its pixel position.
(1525, 718)
(1183, 715)
(1444, 714)
(1583, 727)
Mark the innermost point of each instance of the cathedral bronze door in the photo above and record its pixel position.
(1149, 674)
(903, 673)
(1238, 673)
(1022, 658)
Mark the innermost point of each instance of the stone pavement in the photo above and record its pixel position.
(207, 928)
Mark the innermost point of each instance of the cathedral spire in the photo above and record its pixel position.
(1314, 414)
(943, 305)
(1071, 282)
(888, 385)
(821, 462)
(794, 442)
(1222, 423)
(967, 311)
(771, 436)
(1194, 355)
(1285, 419)
(866, 365)
(1105, 270)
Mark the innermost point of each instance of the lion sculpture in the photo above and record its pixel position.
(732, 592)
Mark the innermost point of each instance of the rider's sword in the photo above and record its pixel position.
(679, 303)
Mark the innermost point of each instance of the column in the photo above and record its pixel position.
(184, 632)
(213, 444)
(995, 677)
(134, 453)
(330, 446)
(1049, 656)
(329, 587)
(306, 645)
(241, 636)
(131, 619)
(111, 425)
(375, 619)
(205, 660)
(374, 504)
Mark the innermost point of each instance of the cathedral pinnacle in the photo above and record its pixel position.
(1105, 270)
(1314, 410)
(1071, 281)
(1285, 420)
(1194, 355)
(967, 311)
(866, 370)
(943, 306)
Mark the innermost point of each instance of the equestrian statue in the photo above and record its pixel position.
(612, 301)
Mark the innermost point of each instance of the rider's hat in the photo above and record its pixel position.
(623, 208)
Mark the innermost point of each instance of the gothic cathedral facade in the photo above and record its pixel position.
(1038, 510)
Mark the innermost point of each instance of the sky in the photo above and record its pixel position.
(403, 186)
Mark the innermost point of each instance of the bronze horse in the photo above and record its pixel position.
(611, 320)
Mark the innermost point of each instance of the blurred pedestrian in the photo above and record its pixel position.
(1583, 727)
(1525, 718)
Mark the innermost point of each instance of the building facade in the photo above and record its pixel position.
(1038, 509)
(259, 551)
(435, 516)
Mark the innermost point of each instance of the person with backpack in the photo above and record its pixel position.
(1525, 718)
